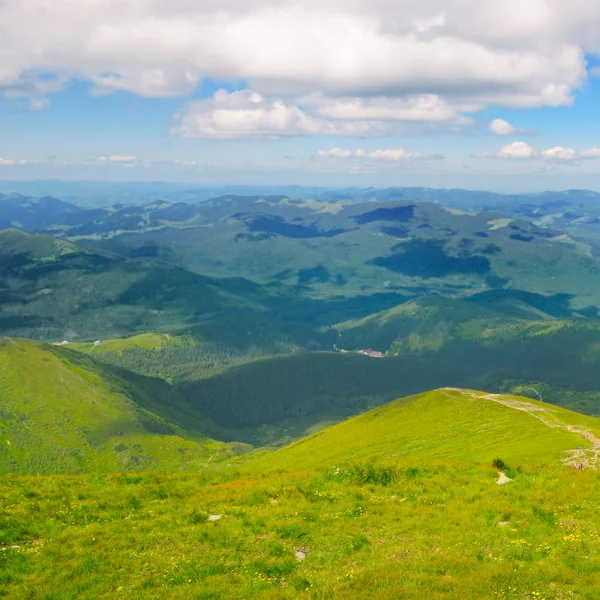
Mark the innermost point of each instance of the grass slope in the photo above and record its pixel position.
(144, 341)
(62, 413)
(445, 425)
(420, 526)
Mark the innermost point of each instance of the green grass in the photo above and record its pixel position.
(404, 529)
(144, 341)
(445, 425)
(401, 502)
(60, 412)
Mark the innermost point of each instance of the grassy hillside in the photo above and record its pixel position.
(62, 413)
(424, 520)
(496, 341)
(254, 378)
(446, 424)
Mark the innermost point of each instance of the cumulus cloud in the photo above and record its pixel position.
(425, 108)
(516, 150)
(247, 114)
(502, 127)
(444, 53)
(130, 160)
(395, 154)
(560, 154)
(175, 162)
(115, 160)
(522, 150)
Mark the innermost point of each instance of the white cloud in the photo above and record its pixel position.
(246, 114)
(458, 52)
(425, 108)
(394, 154)
(339, 153)
(502, 127)
(38, 103)
(568, 155)
(175, 162)
(7, 162)
(593, 152)
(115, 160)
(560, 154)
(516, 150)
(522, 150)
(124, 159)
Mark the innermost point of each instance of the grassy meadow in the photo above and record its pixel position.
(401, 502)
(392, 529)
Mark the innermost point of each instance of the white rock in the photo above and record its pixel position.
(502, 478)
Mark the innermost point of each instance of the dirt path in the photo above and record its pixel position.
(585, 458)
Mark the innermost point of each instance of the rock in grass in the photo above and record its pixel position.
(300, 554)
(502, 478)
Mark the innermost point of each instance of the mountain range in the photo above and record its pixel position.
(336, 247)
(359, 393)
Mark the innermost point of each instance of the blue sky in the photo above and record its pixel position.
(286, 91)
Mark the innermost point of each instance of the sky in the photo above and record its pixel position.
(437, 93)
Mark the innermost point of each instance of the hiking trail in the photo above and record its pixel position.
(585, 458)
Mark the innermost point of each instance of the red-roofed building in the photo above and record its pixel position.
(373, 353)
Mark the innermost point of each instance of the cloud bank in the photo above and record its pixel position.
(342, 67)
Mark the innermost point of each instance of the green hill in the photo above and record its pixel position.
(32, 214)
(448, 424)
(430, 322)
(53, 289)
(402, 502)
(62, 413)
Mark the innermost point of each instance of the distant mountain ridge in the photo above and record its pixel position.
(33, 214)
(325, 248)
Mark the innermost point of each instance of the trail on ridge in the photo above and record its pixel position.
(588, 458)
